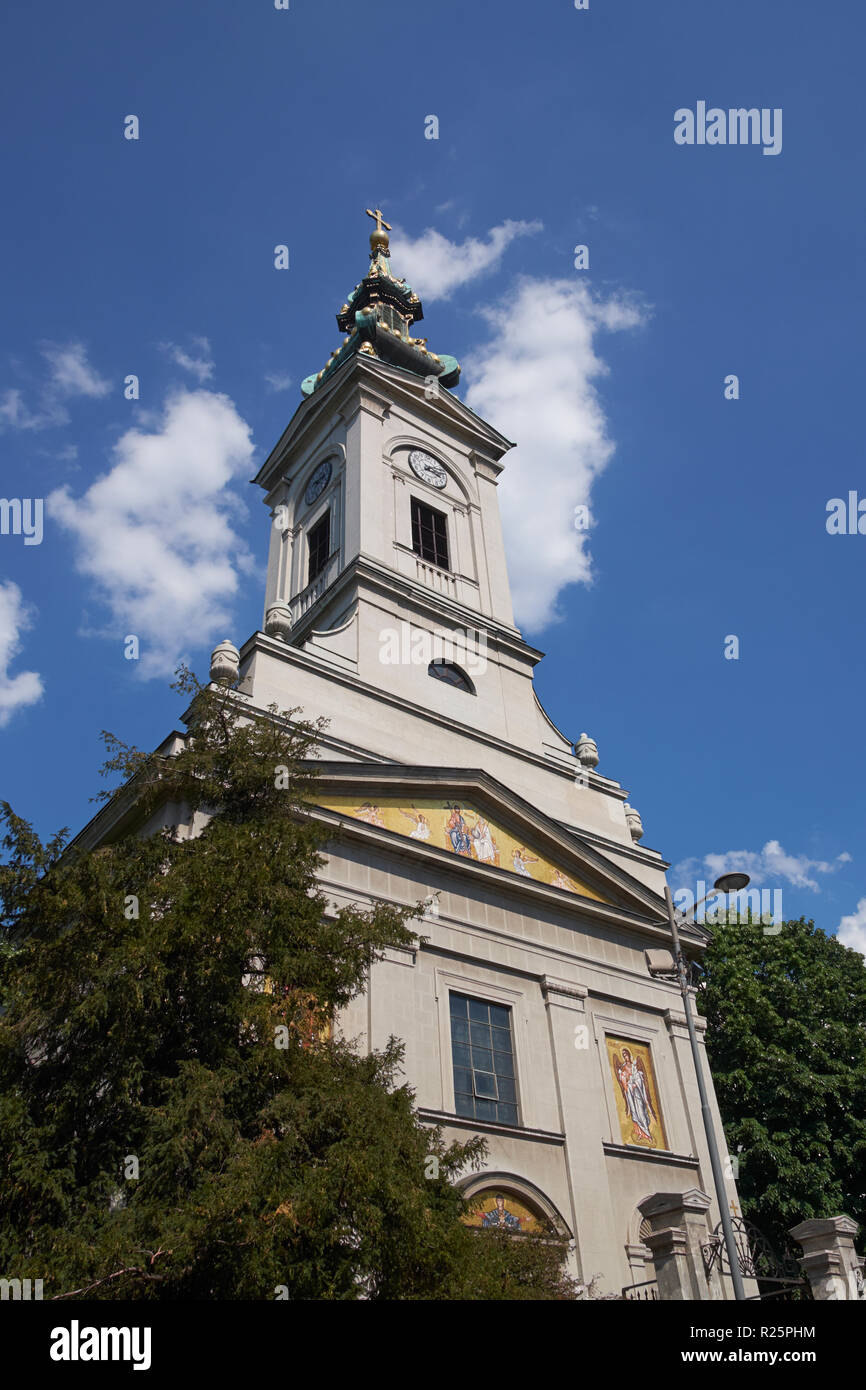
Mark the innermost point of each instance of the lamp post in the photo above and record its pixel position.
(728, 883)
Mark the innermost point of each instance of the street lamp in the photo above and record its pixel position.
(728, 883)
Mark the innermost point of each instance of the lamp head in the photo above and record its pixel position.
(732, 883)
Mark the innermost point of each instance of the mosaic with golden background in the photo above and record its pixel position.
(494, 1209)
(636, 1093)
(459, 827)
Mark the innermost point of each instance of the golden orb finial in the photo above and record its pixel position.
(379, 237)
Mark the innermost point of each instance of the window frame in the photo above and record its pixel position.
(483, 1100)
(464, 683)
(417, 507)
(317, 527)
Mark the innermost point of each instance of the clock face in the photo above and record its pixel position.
(318, 482)
(427, 469)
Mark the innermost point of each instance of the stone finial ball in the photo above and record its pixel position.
(586, 750)
(224, 663)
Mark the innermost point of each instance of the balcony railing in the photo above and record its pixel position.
(314, 590)
(435, 578)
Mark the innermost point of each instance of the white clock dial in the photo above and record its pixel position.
(427, 469)
(318, 482)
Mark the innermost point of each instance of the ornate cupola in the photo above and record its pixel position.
(377, 317)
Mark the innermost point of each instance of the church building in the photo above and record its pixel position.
(527, 1008)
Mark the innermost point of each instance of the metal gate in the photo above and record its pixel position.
(777, 1274)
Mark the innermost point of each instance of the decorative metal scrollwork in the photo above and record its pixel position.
(755, 1255)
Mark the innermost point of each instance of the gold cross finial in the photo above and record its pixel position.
(380, 222)
(379, 237)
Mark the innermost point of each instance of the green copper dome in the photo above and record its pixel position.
(376, 318)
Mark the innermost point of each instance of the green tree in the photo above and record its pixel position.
(176, 1120)
(786, 1041)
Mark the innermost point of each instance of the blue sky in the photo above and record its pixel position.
(708, 516)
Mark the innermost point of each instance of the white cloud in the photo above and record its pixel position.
(201, 366)
(435, 267)
(535, 380)
(852, 929)
(278, 381)
(16, 415)
(158, 532)
(770, 865)
(16, 692)
(71, 375)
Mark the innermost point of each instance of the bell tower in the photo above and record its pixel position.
(388, 607)
(386, 539)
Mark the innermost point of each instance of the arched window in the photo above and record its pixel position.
(451, 674)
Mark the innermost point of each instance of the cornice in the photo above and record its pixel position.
(259, 641)
(443, 1117)
(390, 842)
(391, 384)
(557, 991)
(630, 896)
(388, 582)
(663, 1156)
(641, 853)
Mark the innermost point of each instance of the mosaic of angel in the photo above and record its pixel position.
(420, 822)
(634, 1084)
(521, 859)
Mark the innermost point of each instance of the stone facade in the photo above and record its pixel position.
(570, 970)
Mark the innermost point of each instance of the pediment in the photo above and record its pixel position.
(395, 382)
(472, 818)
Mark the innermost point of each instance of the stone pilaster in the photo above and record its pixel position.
(583, 1120)
(686, 1213)
(829, 1261)
(640, 1263)
(670, 1258)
